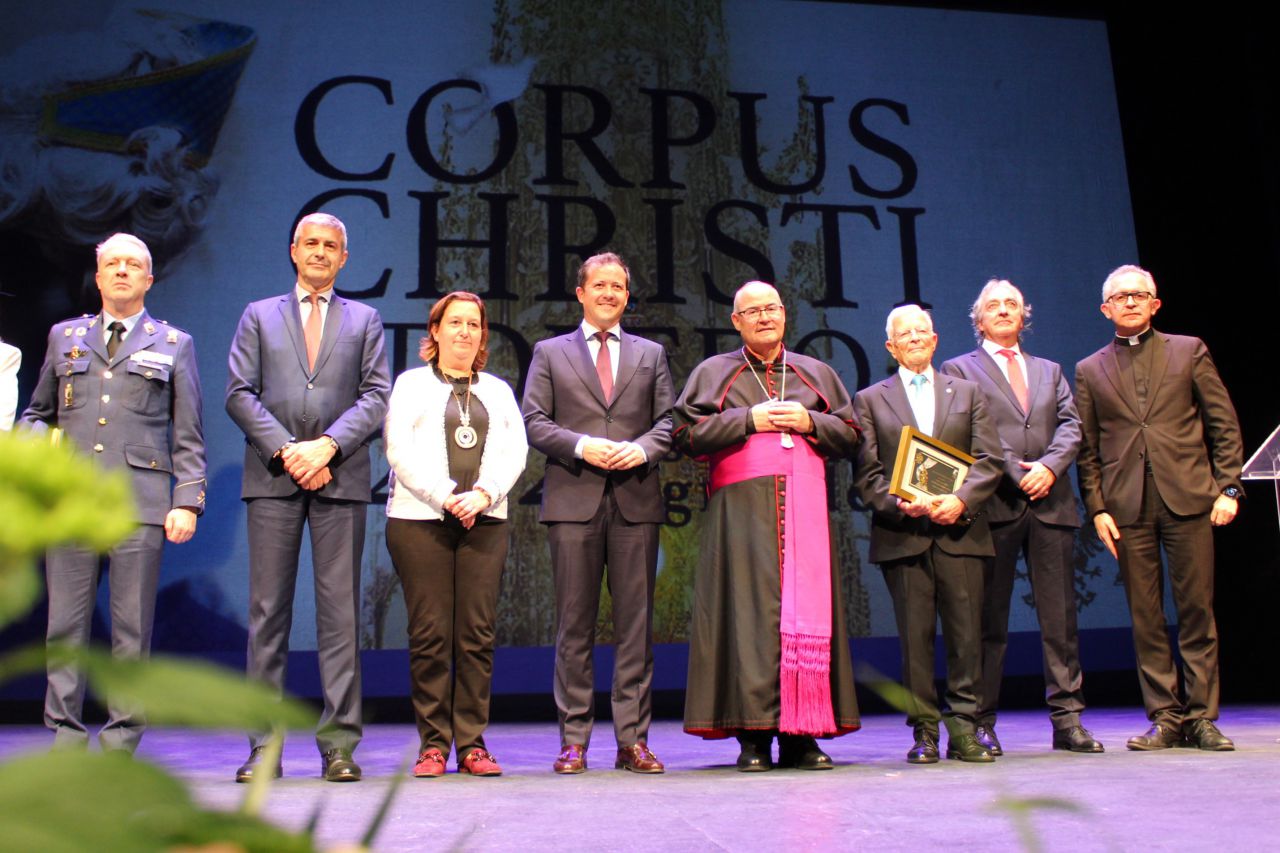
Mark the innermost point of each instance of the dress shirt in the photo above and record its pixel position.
(303, 296)
(993, 350)
(923, 404)
(129, 323)
(615, 353)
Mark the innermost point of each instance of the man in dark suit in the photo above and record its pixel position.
(598, 404)
(1033, 512)
(1148, 404)
(931, 549)
(308, 384)
(122, 386)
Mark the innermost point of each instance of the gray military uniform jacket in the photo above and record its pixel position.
(140, 410)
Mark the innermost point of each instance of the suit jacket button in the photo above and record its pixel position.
(609, 419)
(149, 374)
(106, 398)
(106, 374)
(310, 386)
(102, 421)
(1144, 426)
(97, 448)
(153, 463)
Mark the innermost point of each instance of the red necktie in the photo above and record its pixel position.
(313, 331)
(604, 366)
(1017, 381)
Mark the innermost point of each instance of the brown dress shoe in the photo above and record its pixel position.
(255, 764)
(1159, 736)
(1205, 735)
(638, 759)
(573, 759)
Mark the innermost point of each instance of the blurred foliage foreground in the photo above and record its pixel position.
(74, 800)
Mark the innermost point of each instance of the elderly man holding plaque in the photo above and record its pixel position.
(768, 656)
(929, 463)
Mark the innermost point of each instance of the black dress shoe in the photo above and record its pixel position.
(755, 755)
(967, 748)
(925, 750)
(802, 753)
(986, 736)
(1205, 735)
(1159, 736)
(339, 767)
(253, 765)
(1076, 739)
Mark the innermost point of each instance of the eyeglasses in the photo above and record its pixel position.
(753, 314)
(1140, 297)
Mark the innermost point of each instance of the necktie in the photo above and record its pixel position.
(924, 419)
(604, 366)
(117, 335)
(314, 330)
(1017, 381)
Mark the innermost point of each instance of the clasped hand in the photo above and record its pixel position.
(612, 455)
(781, 416)
(307, 462)
(466, 506)
(944, 509)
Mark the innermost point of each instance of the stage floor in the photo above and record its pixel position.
(1177, 799)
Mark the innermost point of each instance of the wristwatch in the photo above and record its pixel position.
(1232, 492)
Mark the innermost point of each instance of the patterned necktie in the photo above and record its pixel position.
(1017, 381)
(604, 366)
(117, 335)
(314, 330)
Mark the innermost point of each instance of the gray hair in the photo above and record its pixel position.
(975, 312)
(121, 237)
(1127, 269)
(324, 220)
(902, 311)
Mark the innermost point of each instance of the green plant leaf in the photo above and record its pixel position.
(185, 692)
(75, 800)
(19, 587)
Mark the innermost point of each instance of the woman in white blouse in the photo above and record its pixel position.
(455, 441)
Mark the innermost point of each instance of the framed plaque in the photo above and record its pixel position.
(927, 467)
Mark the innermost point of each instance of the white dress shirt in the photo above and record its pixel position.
(922, 403)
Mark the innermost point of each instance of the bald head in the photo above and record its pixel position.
(754, 291)
(760, 318)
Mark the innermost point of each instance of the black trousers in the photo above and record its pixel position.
(1188, 546)
(451, 578)
(923, 588)
(1048, 549)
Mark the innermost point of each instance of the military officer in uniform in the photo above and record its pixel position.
(122, 387)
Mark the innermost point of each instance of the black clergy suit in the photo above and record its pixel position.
(1149, 467)
(932, 570)
(1042, 530)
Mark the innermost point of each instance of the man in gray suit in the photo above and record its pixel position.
(931, 550)
(1033, 512)
(598, 404)
(308, 384)
(122, 386)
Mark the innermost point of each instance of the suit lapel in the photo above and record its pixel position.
(943, 394)
(1158, 364)
(998, 380)
(575, 350)
(333, 321)
(1111, 367)
(291, 316)
(1035, 378)
(93, 339)
(896, 396)
(628, 361)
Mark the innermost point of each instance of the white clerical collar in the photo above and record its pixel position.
(994, 348)
(1134, 340)
(907, 375)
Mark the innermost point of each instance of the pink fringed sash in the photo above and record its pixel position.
(805, 566)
